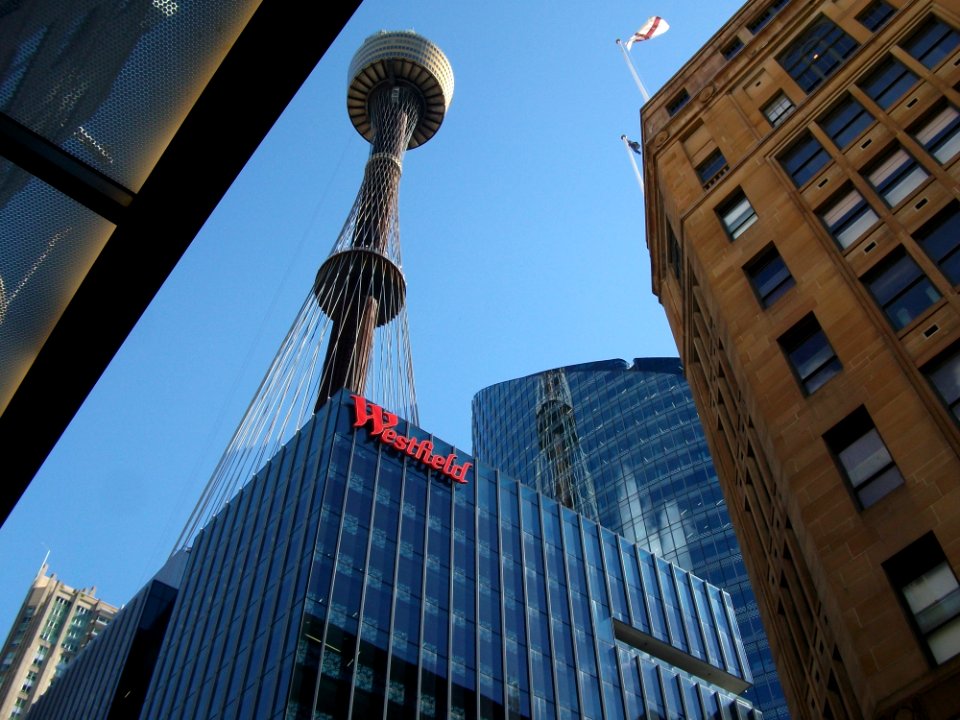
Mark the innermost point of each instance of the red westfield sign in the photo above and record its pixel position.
(382, 424)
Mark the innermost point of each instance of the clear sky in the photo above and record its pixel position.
(522, 230)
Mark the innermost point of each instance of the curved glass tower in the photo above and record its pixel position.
(622, 444)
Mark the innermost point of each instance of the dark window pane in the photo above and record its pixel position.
(769, 276)
(766, 16)
(940, 239)
(810, 354)
(804, 159)
(932, 42)
(817, 53)
(888, 82)
(944, 374)
(846, 121)
(900, 288)
(732, 48)
(674, 253)
(681, 99)
(711, 168)
(875, 15)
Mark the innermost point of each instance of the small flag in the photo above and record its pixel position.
(632, 144)
(650, 29)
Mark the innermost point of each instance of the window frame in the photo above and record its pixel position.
(938, 130)
(762, 262)
(677, 102)
(763, 18)
(930, 25)
(732, 48)
(712, 168)
(744, 220)
(948, 263)
(885, 83)
(776, 120)
(850, 219)
(870, 12)
(868, 474)
(947, 386)
(895, 175)
(901, 283)
(804, 159)
(819, 40)
(905, 570)
(798, 340)
(843, 123)
(674, 252)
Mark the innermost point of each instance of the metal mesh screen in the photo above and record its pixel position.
(110, 81)
(49, 243)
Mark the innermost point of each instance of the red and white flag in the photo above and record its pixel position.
(650, 29)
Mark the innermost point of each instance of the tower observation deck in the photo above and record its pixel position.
(351, 331)
(399, 90)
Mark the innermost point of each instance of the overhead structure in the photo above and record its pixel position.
(107, 112)
(351, 331)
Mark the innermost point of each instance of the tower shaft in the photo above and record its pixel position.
(366, 281)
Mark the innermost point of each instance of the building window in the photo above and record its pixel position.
(678, 101)
(939, 133)
(848, 217)
(732, 48)
(712, 168)
(761, 20)
(863, 457)
(930, 592)
(769, 276)
(845, 121)
(932, 42)
(737, 214)
(875, 15)
(888, 82)
(896, 174)
(900, 288)
(940, 239)
(944, 374)
(810, 354)
(674, 254)
(804, 159)
(778, 109)
(817, 53)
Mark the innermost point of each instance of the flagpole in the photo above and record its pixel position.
(633, 161)
(633, 71)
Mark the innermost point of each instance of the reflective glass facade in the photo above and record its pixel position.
(349, 580)
(624, 442)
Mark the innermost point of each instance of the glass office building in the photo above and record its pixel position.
(622, 443)
(367, 573)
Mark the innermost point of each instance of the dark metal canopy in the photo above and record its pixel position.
(121, 127)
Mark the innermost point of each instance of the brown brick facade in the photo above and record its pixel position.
(818, 547)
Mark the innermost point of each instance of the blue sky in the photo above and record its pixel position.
(522, 232)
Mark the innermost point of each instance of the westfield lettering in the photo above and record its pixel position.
(382, 424)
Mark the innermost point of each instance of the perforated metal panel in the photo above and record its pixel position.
(110, 81)
(47, 244)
